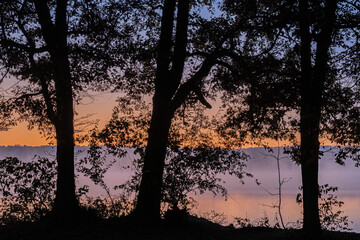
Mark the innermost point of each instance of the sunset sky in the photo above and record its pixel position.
(97, 104)
(100, 105)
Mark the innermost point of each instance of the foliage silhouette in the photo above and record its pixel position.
(303, 87)
(27, 189)
(331, 217)
(57, 50)
(187, 169)
(305, 49)
(28, 192)
(183, 57)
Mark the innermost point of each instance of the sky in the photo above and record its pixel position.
(99, 106)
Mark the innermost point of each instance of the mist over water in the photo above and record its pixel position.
(248, 200)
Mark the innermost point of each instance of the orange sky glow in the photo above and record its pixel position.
(98, 106)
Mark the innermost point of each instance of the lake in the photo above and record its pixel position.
(248, 200)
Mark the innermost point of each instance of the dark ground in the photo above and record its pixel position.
(126, 229)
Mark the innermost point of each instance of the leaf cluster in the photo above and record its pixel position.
(331, 217)
(27, 189)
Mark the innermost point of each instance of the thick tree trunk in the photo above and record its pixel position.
(309, 128)
(55, 36)
(66, 203)
(309, 165)
(312, 87)
(149, 198)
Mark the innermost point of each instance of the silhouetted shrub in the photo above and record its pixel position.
(331, 217)
(27, 189)
(246, 222)
(194, 161)
(108, 207)
(216, 217)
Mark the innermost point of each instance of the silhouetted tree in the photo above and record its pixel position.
(61, 48)
(312, 85)
(303, 74)
(180, 76)
(342, 123)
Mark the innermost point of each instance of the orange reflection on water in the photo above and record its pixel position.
(254, 205)
(250, 204)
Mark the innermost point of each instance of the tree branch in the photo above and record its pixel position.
(198, 53)
(224, 64)
(180, 44)
(273, 44)
(47, 27)
(348, 25)
(200, 96)
(44, 90)
(3, 77)
(28, 95)
(193, 85)
(49, 106)
(163, 59)
(24, 47)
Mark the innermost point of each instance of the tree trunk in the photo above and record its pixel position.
(55, 36)
(309, 130)
(149, 198)
(65, 202)
(312, 87)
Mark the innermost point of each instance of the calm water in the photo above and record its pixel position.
(245, 200)
(252, 201)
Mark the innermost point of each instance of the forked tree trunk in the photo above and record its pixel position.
(312, 84)
(166, 83)
(55, 36)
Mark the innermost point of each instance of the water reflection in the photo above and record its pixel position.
(255, 205)
(248, 200)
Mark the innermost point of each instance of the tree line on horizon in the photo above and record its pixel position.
(281, 70)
